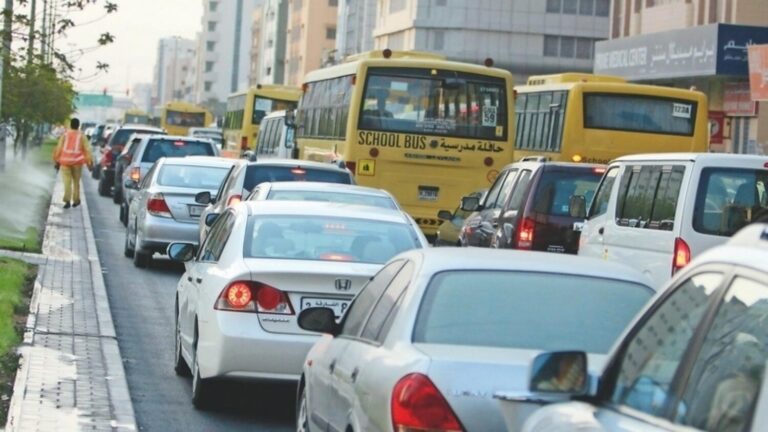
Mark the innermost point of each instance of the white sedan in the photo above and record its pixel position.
(261, 264)
(432, 337)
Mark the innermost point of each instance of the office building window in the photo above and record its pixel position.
(396, 41)
(551, 46)
(553, 6)
(330, 33)
(211, 26)
(586, 7)
(213, 6)
(208, 85)
(396, 5)
(570, 6)
(438, 42)
(269, 71)
(567, 46)
(602, 8)
(210, 45)
(208, 66)
(584, 48)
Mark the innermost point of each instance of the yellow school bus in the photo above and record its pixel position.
(246, 109)
(596, 118)
(426, 129)
(134, 116)
(178, 117)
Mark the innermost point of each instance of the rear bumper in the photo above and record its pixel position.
(234, 345)
(158, 232)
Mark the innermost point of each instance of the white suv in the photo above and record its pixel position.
(657, 211)
(694, 359)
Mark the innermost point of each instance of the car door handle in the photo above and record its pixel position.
(601, 230)
(353, 375)
(332, 366)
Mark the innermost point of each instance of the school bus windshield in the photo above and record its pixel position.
(421, 101)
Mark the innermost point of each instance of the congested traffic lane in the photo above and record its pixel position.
(142, 309)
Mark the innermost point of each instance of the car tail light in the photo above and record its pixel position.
(244, 143)
(136, 174)
(157, 206)
(682, 255)
(417, 405)
(525, 233)
(298, 171)
(248, 296)
(106, 160)
(234, 199)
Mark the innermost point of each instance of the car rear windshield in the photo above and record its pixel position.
(326, 238)
(190, 176)
(525, 310)
(553, 195)
(730, 198)
(176, 148)
(256, 174)
(337, 197)
(121, 136)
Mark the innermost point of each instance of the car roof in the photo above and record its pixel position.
(323, 209)
(325, 187)
(536, 164)
(443, 259)
(297, 163)
(140, 127)
(693, 157)
(211, 161)
(747, 248)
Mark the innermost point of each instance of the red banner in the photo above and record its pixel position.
(716, 125)
(736, 100)
(758, 72)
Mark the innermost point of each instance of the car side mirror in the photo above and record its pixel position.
(445, 215)
(470, 203)
(203, 197)
(181, 252)
(562, 372)
(210, 219)
(577, 206)
(320, 320)
(131, 184)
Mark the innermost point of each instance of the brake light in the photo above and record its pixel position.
(682, 255)
(106, 160)
(525, 233)
(234, 199)
(298, 171)
(244, 143)
(136, 174)
(336, 257)
(249, 296)
(156, 206)
(417, 405)
(598, 170)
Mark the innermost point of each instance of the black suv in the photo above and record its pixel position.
(532, 204)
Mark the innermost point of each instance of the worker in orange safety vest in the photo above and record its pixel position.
(72, 152)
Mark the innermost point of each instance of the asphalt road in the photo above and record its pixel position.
(142, 309)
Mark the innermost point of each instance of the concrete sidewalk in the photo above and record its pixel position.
(71, 375)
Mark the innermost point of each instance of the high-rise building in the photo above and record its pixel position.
(524, 36)
(700, 44)
(141, 96)
(174, 54)
(256, 42)
(311, 37)
(356, 19)
(225, 46)
(268, 58)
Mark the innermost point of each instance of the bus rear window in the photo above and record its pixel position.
(263, 106)
(728, 199)
(191, 119)
(176, 148)
(633, 113)
(454, 104)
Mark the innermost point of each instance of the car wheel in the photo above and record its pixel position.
(141, 259)
(104, 188)
(302, 416)
(180, 365)
(127, 249)
(201, 388)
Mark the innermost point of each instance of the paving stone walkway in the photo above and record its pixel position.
(71, 376)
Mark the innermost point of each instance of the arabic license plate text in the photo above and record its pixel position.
(428, 193)
(195, 211)
(339, 306)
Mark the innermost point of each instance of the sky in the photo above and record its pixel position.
(137, 26)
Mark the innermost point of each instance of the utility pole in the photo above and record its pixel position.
(5, 61)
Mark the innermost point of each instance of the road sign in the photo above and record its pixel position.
(758, 72)
(92, 100)
(366, 167)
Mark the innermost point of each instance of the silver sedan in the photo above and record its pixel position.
(430, 339)
(163, 209)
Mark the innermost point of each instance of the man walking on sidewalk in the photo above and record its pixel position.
(72, 152)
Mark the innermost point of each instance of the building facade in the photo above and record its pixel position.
(256, 42)
(141, 96)
(174, 56)
(524, 36)
(268, 58)
(698, 44)
(354, 34)
(311, 37)
(224, 50)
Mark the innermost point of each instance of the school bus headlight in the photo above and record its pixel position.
(576, 158)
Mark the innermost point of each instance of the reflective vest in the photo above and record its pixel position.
(72, 152)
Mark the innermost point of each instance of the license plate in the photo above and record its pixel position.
(195, 211)
(428, 193)
(339, 306)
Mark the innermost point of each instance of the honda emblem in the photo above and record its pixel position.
(343, 284)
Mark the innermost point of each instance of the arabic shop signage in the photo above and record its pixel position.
(716, 49)
(736, 100)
